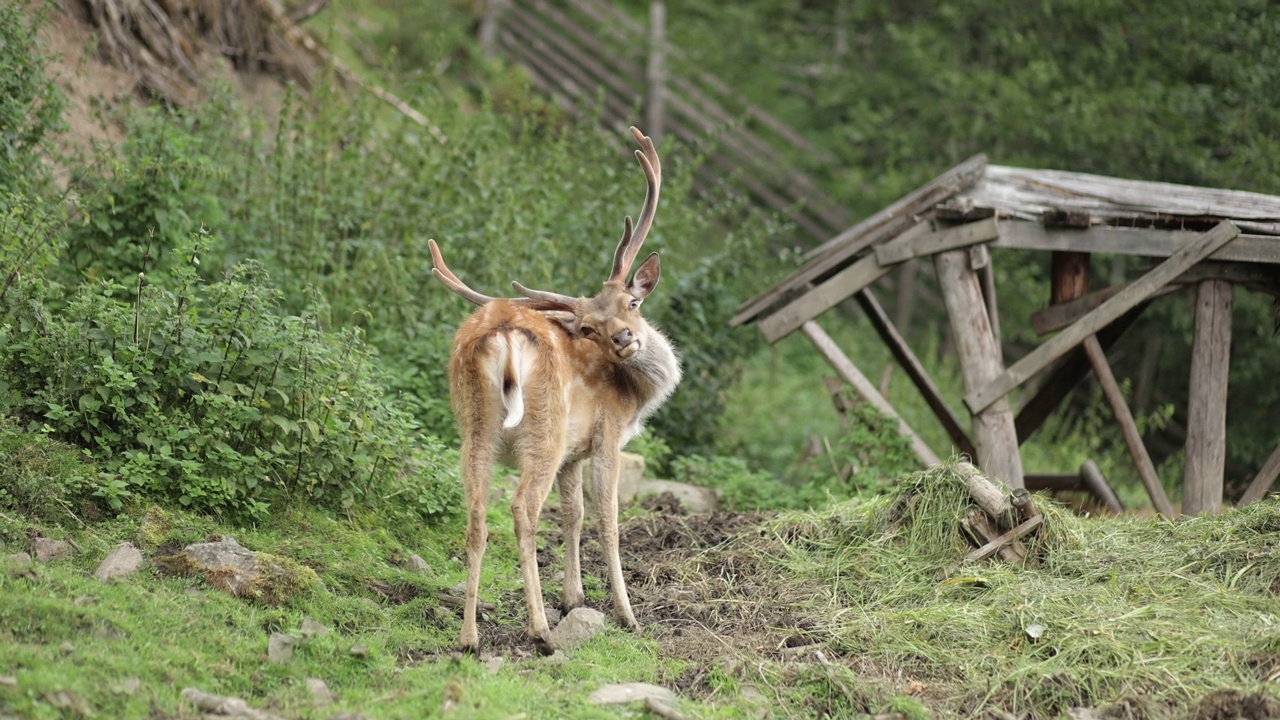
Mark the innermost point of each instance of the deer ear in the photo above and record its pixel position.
(646, 278)
(566, 320)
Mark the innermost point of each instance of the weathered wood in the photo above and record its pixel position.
(861, 274)
(655, 113)
(985, 493)
(992, 429)
(1056, 482)
(1097, 484)
(493, 11)
(1024, 504)
(915, 371)
(1100, 317)
(1013, 535)
(984, 533)
(1031, 193)
(980, 260)
(1128, 428)
(885, 224)
(948, 238)
(1207, 402)
(1056, 317)
(1069, 276)
(1263, 480)
(1144, 242)
(849, 372)
(1066, 376)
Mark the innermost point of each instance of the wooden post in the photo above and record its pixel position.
(993, 428)
(1129, 428)
(1070, 276)
(489, 23)
(1207, 403)
(849, 372)
(656, 71)
(1262, 483)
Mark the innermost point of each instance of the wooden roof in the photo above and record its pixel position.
(1056, 198)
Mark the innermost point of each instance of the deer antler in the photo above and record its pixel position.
(535, 300)
(630, 244)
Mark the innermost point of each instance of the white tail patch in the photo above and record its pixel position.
(513, 367)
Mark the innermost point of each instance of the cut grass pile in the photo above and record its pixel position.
(1157, 617)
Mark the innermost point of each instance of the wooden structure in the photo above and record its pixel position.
(589, 55)
(1206, 239)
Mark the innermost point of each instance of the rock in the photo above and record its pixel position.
(633, 692)
(311, 628)
(226, 565)
(493, 664)
(128, 686)
(280, 647)
(320, 691)
(66, 648)
(553, 616)
(417, 564)
(8, 681)
(694, 499)
(18, 560)
(630, 472)
(579, 626)
(228, 706)
(47, 550)
(347, 716)
(359, 651)
(122, 562)
(155, 525)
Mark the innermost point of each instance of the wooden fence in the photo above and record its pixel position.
(584, 51)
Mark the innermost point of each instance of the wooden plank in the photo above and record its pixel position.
(862, 273)
(1066, 376)
(849, 372)
(1069, 276)
(656, 71)
(915, 370)
(948, 239)
(993, 431)
(834, 290)
(1207, 401)
(885, 224)
(1263, 481)
(1128, 428)
(980, 260)
(1055, 481)
(1031, 193)
(1122, 302)
(1130, 241)
(1056, 317)
(488, 36)
(1098, 485)
(1013, 535)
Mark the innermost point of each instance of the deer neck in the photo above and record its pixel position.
(652, 374)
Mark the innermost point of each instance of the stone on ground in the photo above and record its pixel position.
(122, 562)
(633, 692)
(226, 565)
(320, 691)
(694, 499)
(579, 626)
(280, 647)
(311, 627)
(417, 564)
(47, 550)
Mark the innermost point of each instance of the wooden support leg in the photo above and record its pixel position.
(1262, 483)
(993, 428)
(1129, 428)
(849, 372)
(1207, 403)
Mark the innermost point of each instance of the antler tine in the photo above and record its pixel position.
(630, 245)
(535, 300)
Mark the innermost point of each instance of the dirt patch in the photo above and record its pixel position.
(1236, 705)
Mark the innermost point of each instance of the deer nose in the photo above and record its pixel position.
(622, 338)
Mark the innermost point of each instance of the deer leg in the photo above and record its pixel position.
(526, 507)
(477, 471)
(570, 482)
(604, 483)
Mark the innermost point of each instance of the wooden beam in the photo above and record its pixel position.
(1128, 428)
(1098, 485)
(980, 261)
(993, 430)
(915, 370)
(1146, 242)
(1069, 273)
(1011, 536)
(1056, 317)
(1263, 481)
(862, 273)
(1122, 302)
(1066, 376)
(849, 372)
(655, 113)
(948, 238)
(885, 224)
(1207, 402)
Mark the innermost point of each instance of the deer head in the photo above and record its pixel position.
(611, 318)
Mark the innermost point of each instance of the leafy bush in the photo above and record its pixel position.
(30, 104)
(41, 477)
(741, 488)
(869, 457)
(205, 393)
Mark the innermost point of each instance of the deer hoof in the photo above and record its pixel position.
(472, 649)
(543, 646)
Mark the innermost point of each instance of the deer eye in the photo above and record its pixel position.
(587, 331)
(635, 304)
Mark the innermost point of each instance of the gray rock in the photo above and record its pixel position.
(237, 568)
(122, 562)
(553, 616)
(47, 550)
(579, 626)
(280, 648)
(8, 681)
(493, 664)
(630, 475)
(128, 686)
(18, 560)
(320, 691)
(311, 628)
(359, 651)
(633, 692)
(417, 564)
(694, 499)
(228, 706)
(226, 565)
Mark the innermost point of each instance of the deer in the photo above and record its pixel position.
(545, 382)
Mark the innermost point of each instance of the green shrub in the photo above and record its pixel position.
(741, 488)
(30, 103)
(41, 478)
(870, 456)
(207, 394)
